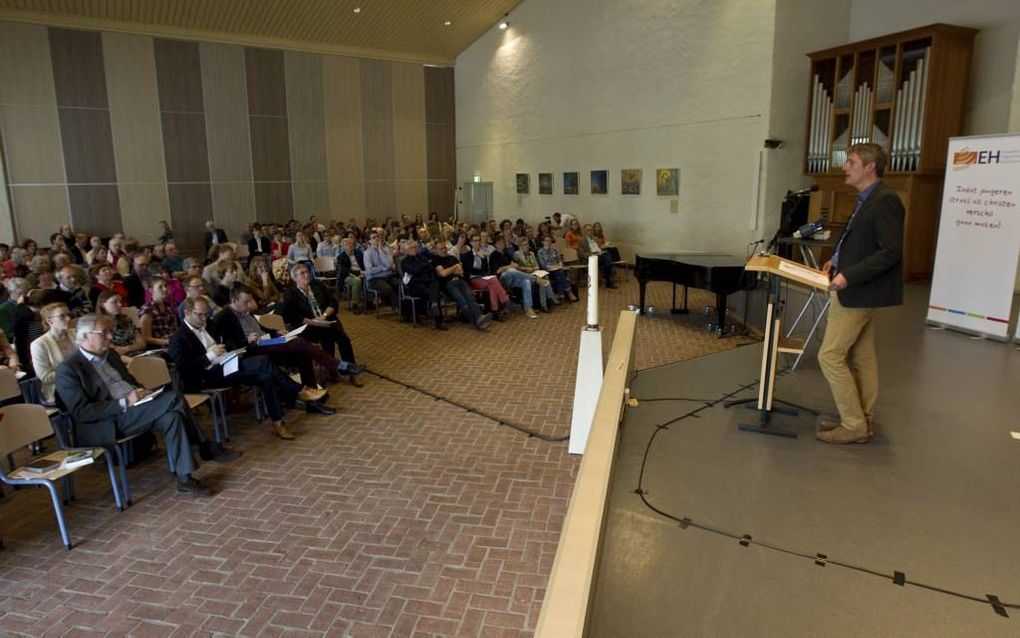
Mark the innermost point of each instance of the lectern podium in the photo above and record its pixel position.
(778, 269)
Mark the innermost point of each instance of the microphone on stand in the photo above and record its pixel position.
(802, 192)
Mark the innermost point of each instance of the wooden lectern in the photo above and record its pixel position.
(778, 269)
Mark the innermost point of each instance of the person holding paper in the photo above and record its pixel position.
(239, 329)
(103, 399)
(588, 245)
(311, 303)
(450, 273)
(475, 262)
(197, 351)
(527, 262)
(865, 273)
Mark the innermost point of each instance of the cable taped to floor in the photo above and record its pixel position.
(897, 577)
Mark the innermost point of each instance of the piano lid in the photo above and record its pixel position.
(707, 260)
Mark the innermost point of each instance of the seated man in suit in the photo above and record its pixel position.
(450, 273)
(239, 329)
(213, 237)
(102, 397)
(194, 347)
(420, 280)
(307, 300)
(259, 244)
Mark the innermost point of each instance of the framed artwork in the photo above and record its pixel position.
(599, 182)
(630, 181)
(667, 181)
(570, 183)
(545, 183)
(523, 183)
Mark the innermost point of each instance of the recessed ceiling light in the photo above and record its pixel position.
(504, 24)
(357, 9)
(447, 23)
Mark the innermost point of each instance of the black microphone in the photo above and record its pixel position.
(803, 191)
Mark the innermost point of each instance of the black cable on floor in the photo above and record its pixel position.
(467, 408)
(821, 560)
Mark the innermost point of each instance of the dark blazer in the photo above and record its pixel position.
(296, 307)
(467, 261)
(260, 246)
(135, 291)
(186, 352)
(228, 326)
(343, 261)
(221, 238)
(870, 257)
(82, 392)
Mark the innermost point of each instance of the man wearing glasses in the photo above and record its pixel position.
(108, 403)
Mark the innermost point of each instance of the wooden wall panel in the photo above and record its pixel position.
(95, 208)
(184, 144)
(31, 137)
(233, 205)
(179, 76)
(440, 139)
(39, 210)
(224, 87)
(88, 146)
(266, 87)
(377, 119)
(78, 72)
(270, 148)
(307, 132)
(190, 208)
(26, 71)
(274, 201)
(229, 139)
(134, 108)
(342, 113)
(142, 206)
(409, 149)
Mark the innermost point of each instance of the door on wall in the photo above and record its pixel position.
(476, 202)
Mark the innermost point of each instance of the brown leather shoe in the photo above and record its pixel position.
(280, 430)
(310, 395)
(356, 381)
(842, 435)
(828, 422)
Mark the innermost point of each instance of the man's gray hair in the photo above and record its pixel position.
(293, 269)
(17, 286)
(87, 324)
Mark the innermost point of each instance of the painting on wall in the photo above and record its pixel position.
(570, 183)
(630, 181)
(667, 181)
(523, 183)
(599, 182)
(545, 183)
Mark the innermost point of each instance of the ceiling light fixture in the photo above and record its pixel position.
(357, 9)
(505, 23)
(447, 23)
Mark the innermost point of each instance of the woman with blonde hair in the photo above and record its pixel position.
(261, 282)
(50, 349)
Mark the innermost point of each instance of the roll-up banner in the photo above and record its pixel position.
(979, 236)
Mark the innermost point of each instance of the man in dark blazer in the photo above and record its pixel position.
(865, 273)
(195, 346)
(308, 300)
(103, 399)
(239, 329)
(213, 236)
(259, 244)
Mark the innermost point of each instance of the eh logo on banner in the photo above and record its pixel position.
(966, 157)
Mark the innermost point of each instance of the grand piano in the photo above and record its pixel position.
(720, 273)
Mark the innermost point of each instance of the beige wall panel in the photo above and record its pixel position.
(412, 197)
(26, 73)
(312, 198)
(380, 200)
(307, 130)
(40, 210)
(409, 121)
(31, 137)
(223, 78)
(134, 108)
(229, 139)
(342, 111)
(142, 206)
(233, 205)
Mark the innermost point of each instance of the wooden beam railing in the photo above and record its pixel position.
(568, 595)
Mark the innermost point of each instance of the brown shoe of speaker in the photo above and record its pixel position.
(280, 430)
(356, 381)
(842, 435)
(310, 395)
(828, 422)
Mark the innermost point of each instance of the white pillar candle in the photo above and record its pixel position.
(593, 291)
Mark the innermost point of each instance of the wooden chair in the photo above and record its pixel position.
(21, 425)
(325, 269)
(132, 312)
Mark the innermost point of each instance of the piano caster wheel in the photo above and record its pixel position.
(711, 327)
(707, 310)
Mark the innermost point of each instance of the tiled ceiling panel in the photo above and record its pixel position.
(409, 29)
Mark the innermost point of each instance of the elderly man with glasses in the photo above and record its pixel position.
(107, 403)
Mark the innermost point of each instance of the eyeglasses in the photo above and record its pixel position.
(62, 315)
(105, 333)
(194, 286)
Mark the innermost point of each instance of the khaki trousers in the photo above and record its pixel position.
(848, 361)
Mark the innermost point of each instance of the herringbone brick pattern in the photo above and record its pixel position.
(400, 515)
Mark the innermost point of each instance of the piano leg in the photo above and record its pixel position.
(641, 302)
(720, 307)
(679, 311)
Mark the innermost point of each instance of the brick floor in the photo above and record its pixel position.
(401, 515)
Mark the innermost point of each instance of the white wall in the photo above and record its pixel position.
(576, 85)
